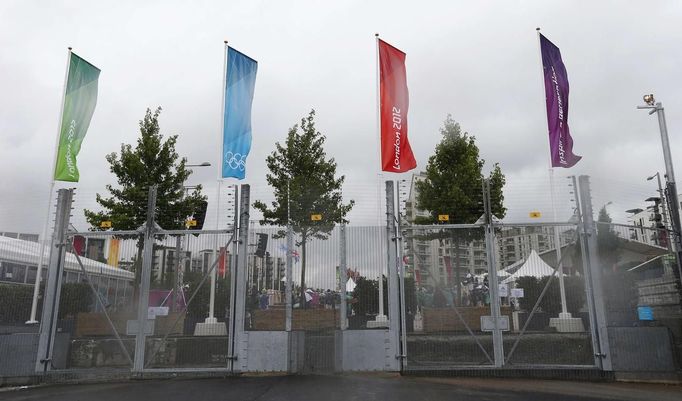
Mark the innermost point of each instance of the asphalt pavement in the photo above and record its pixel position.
(365, 387)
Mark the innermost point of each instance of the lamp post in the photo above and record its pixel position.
(670, 186)
(664, 201)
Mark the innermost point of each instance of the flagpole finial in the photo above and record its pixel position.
(537, 29)
(376, 34)
(70, 48)
(225, 41)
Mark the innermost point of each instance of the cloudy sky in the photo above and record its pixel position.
(478, 61)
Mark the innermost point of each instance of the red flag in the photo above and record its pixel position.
(221, 262)
(396, 153)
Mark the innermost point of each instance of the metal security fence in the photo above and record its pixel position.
(585, 294)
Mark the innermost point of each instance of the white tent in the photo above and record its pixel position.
(28, 253)
(350, 285)
(533, 266)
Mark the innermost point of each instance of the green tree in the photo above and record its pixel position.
(304, 183)
(453, 186)
(152, 161)
(607, 240)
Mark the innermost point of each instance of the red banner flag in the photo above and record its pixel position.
(396, 153)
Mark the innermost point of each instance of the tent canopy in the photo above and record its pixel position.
(533, 266)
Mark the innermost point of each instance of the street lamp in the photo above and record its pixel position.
(204, 164)
(671, 188)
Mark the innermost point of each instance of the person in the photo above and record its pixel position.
(264, 300)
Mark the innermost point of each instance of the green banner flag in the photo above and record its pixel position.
(80, 99)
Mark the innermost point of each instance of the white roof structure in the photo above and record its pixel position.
(28, 253)
(532, 266)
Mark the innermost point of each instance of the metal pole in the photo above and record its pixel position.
(239, 308)
(43, 242)
(53, 285)
(671, 187)
(143, 302)
(595, 271)
(289, 269)
(343, 269)
(498, 350)
(587, 271)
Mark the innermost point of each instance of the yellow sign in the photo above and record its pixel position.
(315, 217)
(535, 215)
(191, 223)
(443, 217)
(105, 224)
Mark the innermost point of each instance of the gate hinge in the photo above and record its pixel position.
(401, 357)
(600, 355)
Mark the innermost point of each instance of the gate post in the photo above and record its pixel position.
(55, 267)
(343, 268)
(498, 349)
(594, 272)
(393, 355)
(145, 278)
(239, 308)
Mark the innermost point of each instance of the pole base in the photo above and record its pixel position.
(210, 329)
(380, 321)
(567, 324)
(32, 322)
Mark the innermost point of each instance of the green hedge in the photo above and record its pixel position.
(551, 302)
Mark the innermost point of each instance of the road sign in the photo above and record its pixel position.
(443, 217)
(315, 217)
(105, 224)
(535, 215)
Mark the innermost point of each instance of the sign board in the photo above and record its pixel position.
(105, 224)
(154, 311)
(443, 217)
(535, 215)
(315, 217)
(517, 293)
(503, 290)
(488, 324)
(131, 327)
(645, 313)
(191, 223)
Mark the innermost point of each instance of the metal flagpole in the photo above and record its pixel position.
(565, 321)
(381, 316)
(211, 308)
(41, 256)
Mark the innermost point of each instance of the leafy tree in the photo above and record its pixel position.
(304, 183)
(453, 186)
(607, 240)
(152, 161)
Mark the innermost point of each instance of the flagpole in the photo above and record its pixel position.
(211, 309)
(381, 316)
(557, 244)
(41, 256)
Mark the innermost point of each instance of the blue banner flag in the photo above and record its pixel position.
(239, 87)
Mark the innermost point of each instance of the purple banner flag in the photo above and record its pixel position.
(556, 96)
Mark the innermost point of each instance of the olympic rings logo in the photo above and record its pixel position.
(235, 161)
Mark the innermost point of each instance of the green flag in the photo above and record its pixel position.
(80, 99)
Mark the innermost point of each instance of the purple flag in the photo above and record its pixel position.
(556, 96)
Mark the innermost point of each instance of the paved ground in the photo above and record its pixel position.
(348, 388)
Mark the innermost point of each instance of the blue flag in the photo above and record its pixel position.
(239, 87)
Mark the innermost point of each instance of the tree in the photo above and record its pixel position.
(304, 183)
(152, 161)
(453, 186)
(607, 240)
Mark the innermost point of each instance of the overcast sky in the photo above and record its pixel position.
(478, 61)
